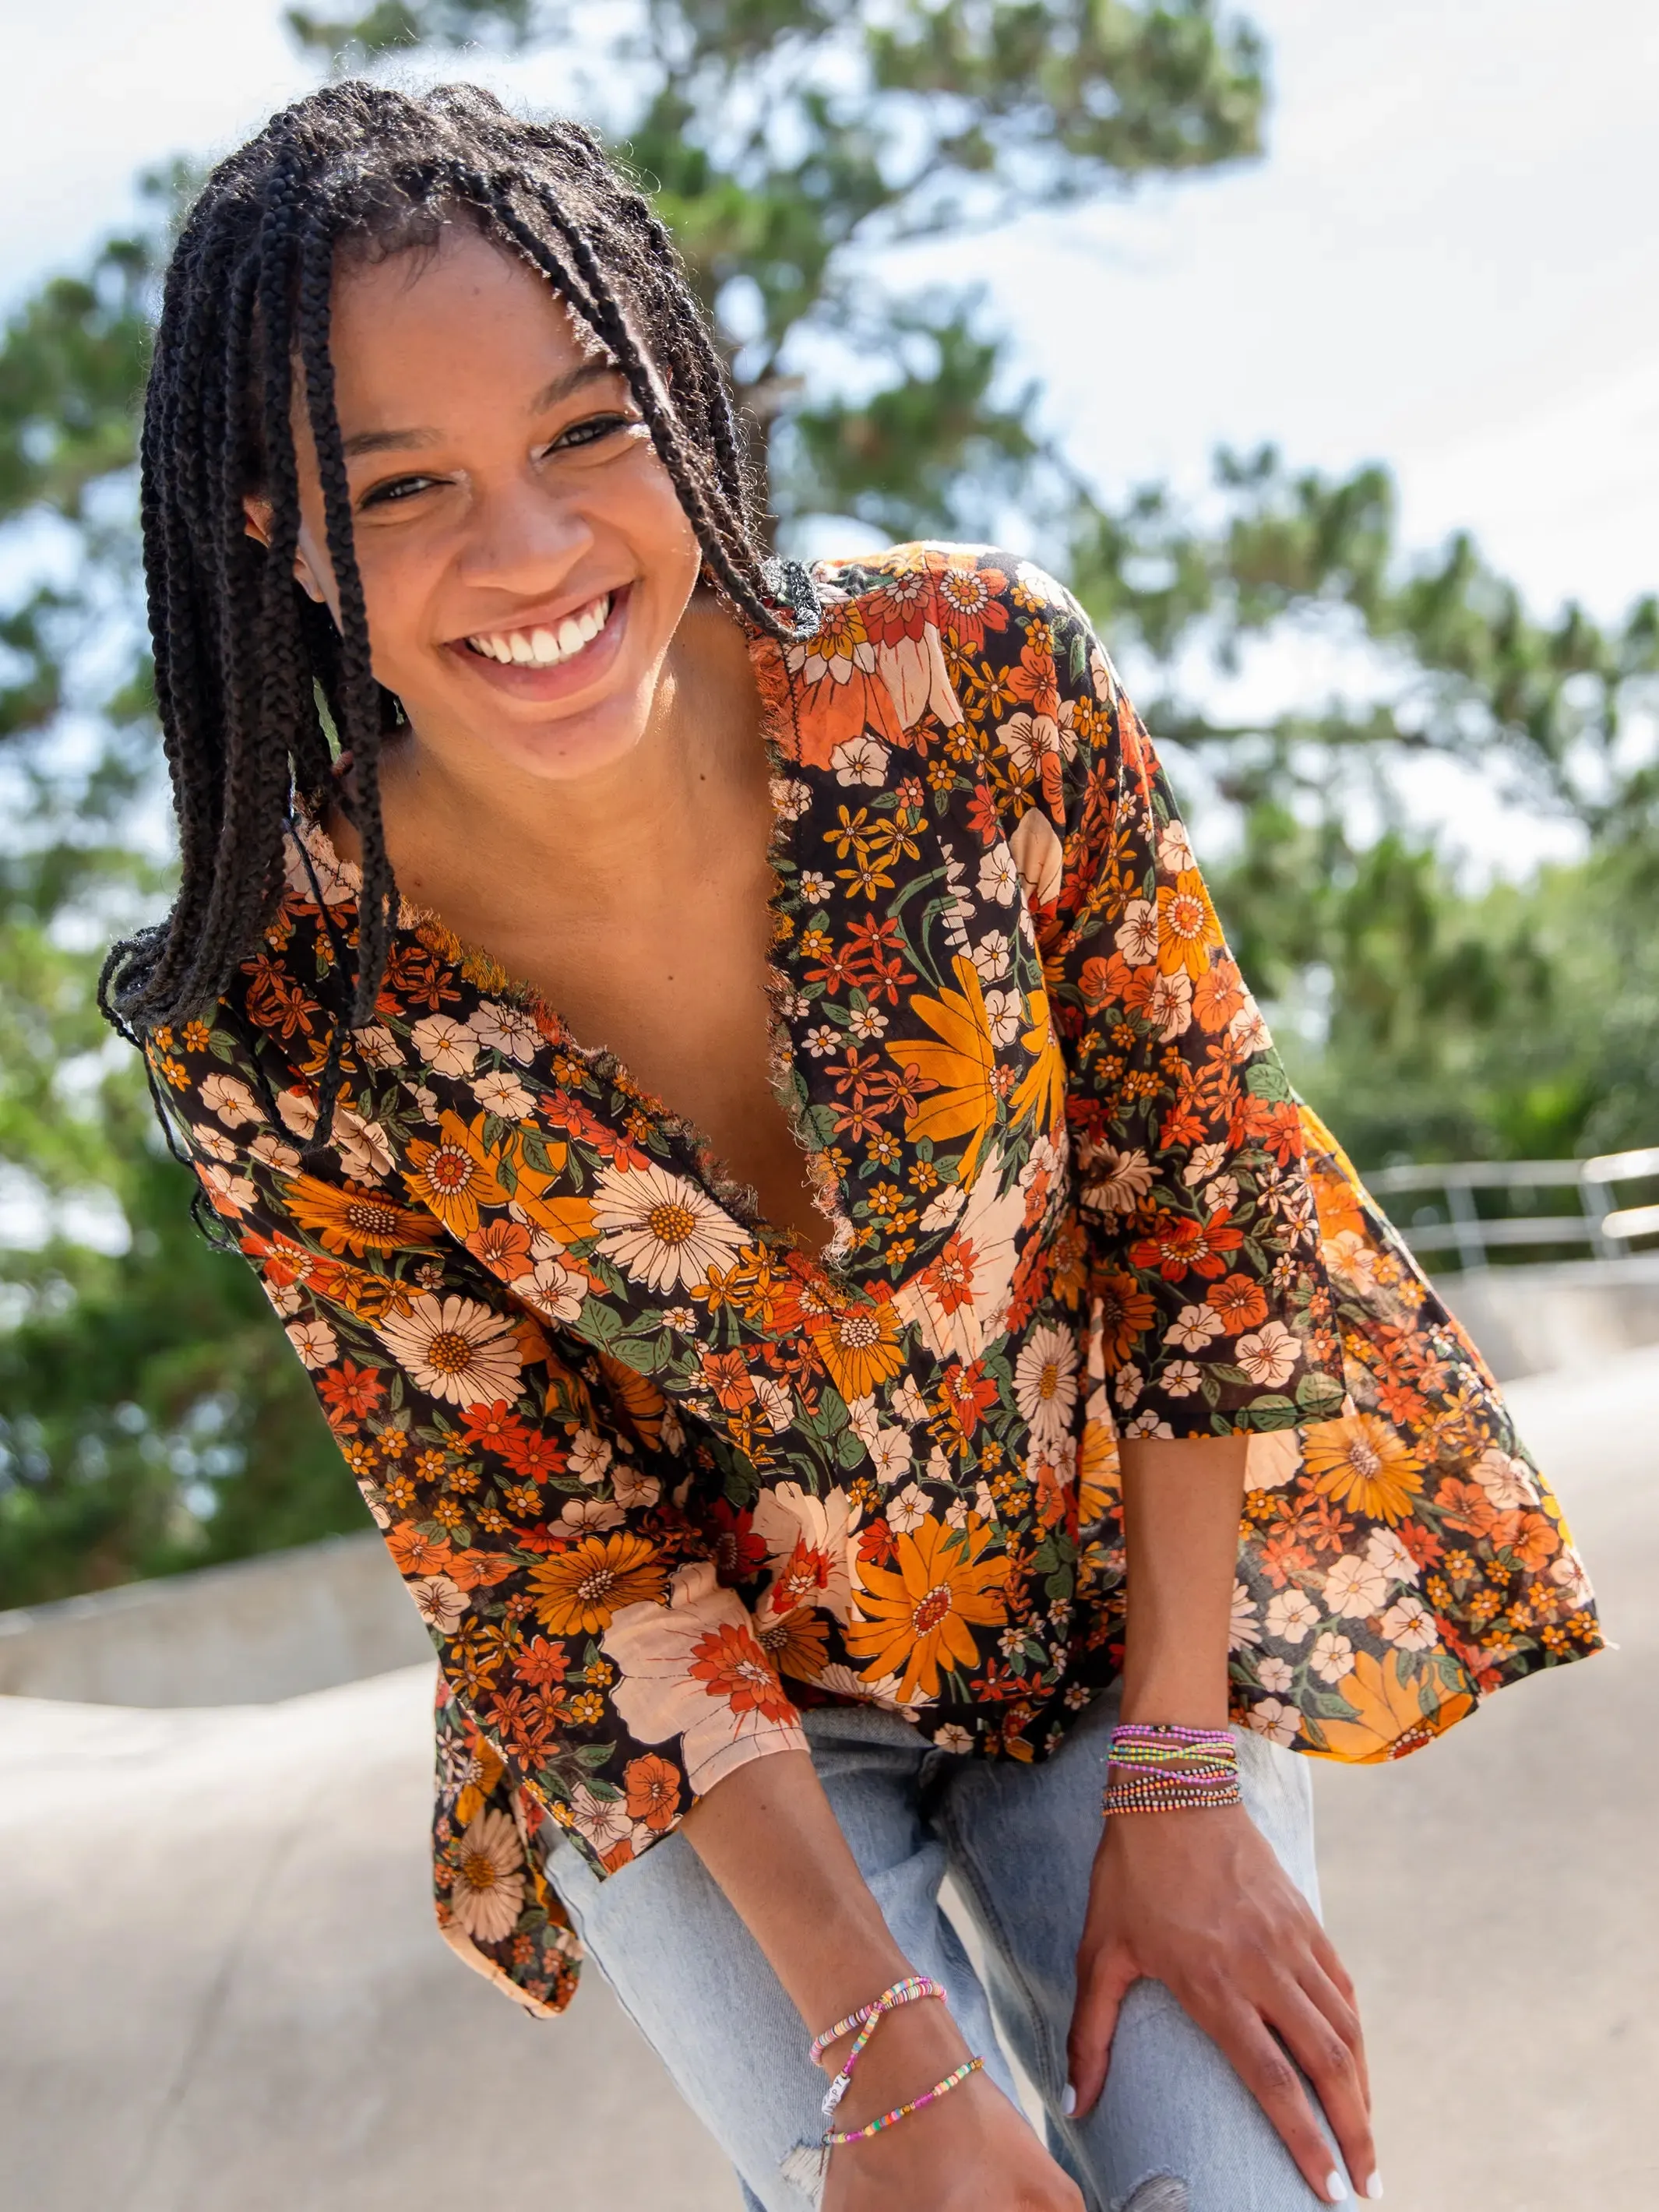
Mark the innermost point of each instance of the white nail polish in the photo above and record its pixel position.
(1067, 2101)
(1374, 2186)
(1336, 2190)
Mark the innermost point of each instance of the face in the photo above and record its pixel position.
(525, 559)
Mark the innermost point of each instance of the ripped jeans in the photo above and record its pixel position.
(1176, 2131)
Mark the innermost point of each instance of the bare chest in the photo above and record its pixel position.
(679, 996)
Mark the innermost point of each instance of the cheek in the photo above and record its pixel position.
(396, 588)
(658, 528)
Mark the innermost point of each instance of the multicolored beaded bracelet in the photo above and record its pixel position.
(834, 2137)
(867, 2018)
(1165, 1768)
(913, 1986)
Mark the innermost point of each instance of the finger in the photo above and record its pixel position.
(1340, 2012)
(1331, 2063)
(1103, 1979)
(1265, 2068)
(1326, 1952)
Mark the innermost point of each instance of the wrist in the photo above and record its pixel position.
(1159, 1699)
(914, 2046)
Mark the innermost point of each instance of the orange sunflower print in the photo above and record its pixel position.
(1365, 1465)
(921, 1615)
(578, 1591)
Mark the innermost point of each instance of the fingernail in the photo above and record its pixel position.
(1336, 2190)
(1067, 2101)
(1374, 2186)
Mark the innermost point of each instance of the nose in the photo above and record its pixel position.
(523, 539)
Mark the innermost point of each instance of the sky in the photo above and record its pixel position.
(1448, 261)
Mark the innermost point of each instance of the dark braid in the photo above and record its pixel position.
(244, 659)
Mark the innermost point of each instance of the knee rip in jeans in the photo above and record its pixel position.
(804, 2169)
(1164, 2192)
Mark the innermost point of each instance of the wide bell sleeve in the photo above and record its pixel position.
(1401, 1557)
(1186, 1144)
(532, 1492)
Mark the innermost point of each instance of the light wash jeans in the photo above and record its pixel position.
(1176, 2131)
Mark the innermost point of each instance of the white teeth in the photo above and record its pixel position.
(543, 648)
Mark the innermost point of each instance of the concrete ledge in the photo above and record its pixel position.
(249, 1633)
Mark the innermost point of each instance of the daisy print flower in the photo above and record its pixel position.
(444, 1044)
(1268, 1355)
(1005, 1012)
(231, 1100)
(505, 1029)
(376, 1047)
(1290, 1614)
(991, 958)
(503, 1094)
(488, 1895)
(1244, 1627)
(665, 1232)
(1137, 934)
(1045, 1384)
(1278, 1722)
(861, 761)
(999, 878)
(1206, 1161)
(439, 1602)
(314, 1341)
(454, 1349)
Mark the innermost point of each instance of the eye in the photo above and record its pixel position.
(395, 490)
(591, 430)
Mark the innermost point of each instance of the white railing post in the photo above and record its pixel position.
(1459, 1204)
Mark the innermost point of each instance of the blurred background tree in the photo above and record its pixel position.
(151, 1416)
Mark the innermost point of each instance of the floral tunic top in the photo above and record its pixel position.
(657, 1477)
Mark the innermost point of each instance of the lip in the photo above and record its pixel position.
(565, 677)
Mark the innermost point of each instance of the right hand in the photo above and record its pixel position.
(970, 2152)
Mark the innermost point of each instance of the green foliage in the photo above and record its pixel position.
(1424, 1021)
(151, 1415)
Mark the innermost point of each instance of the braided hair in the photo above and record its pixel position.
(250, 673)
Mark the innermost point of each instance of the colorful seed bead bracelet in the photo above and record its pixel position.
(865, 2021)
(1165, 1768)
(835, 2135)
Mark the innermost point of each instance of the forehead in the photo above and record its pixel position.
(437, 326)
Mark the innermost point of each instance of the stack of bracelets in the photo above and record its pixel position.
(866, 2020)
(1161, 1768)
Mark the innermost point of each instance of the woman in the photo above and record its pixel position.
(771, 1409)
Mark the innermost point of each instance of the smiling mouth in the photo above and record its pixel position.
(548, 648)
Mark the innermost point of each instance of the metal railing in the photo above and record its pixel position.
(1608, 1230)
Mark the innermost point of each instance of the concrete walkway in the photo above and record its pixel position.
(222, 1988)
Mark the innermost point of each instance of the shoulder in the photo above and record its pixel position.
(976, 593)
(922, 638)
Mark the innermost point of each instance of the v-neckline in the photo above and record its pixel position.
(739, 1199)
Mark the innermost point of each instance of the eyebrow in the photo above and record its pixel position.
(561, 387)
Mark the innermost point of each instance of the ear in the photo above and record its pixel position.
(258, 526)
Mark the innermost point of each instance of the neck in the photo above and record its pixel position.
(487, 848)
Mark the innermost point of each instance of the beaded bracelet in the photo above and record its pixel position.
(1171, 1769)
(898, 1993)
(834, 2137)
(867, 2018)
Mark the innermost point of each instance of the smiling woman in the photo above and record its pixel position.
(771, 1409)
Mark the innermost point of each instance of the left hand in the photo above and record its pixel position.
(1197, 1900)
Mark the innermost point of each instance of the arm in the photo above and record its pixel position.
(1197, 1900)
(770, 1837)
